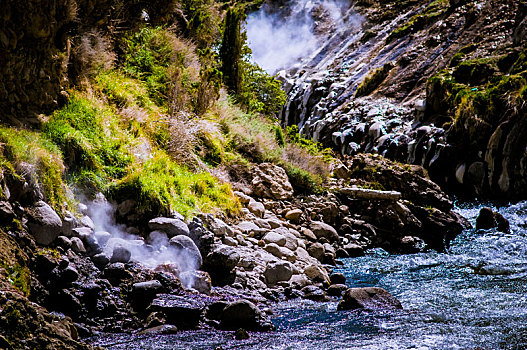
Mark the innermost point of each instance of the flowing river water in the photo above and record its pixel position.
(473, 297)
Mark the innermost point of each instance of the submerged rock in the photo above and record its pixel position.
(488, 219)
(370, 298)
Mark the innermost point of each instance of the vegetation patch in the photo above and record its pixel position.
(373, 80)
(19, 276)
(95, 147)
(161, 186)
(45, 162)
(429, 15)
(477, 94)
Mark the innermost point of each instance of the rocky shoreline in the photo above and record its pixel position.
(99, 276)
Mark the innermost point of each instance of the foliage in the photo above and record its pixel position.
(203, 21)
(161, 186)
(95, 147)
(231, 50)
(260, 92)
(373, 80)
(430, 14)
(252, 87)
(478, 96)
(312, 147)
(19, 277)
(18, 146)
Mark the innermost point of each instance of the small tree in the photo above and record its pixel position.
(231, 50)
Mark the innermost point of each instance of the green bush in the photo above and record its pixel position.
(252, 87)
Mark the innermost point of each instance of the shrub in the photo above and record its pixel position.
(19, 277)
(252, 87)
(93, 53)
(168, 66)
(95, 148)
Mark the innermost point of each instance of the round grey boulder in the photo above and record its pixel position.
(44, 223)
(187, 246)
(278, 271)
(172, 227)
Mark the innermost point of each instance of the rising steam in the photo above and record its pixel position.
(154, 252)
(282, 37)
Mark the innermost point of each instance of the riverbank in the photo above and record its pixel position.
(446, 305)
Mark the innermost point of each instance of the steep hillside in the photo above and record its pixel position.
(435, 83)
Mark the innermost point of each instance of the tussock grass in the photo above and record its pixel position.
(161, 186)
(45, 160)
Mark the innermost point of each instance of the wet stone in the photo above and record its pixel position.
(183, 312)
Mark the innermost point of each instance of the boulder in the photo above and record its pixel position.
(294, 215)
(243, 313)
(336, 290)
(274, 237)
(278, 271)
(316, 250)
(314, 293)
(337, 278)
(241, 334)
(197, 280)
(271, 181)
(44, 223)
(485, 219)
(317, 274)
(220, 262)
(100, 260)
(184, 312)
(77, 245)
(257, 208)
(120, 254)
(172, 227)
(187, 246)
(116, 272)
(323, 230)
(143, 293)
(354, 250)
(370, 298)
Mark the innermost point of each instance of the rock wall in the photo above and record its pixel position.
(36, 41)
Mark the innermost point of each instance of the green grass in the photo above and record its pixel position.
(19, 277)
(18, 146)
(431, 13)
(95, 147)
(161, 186)
(373, 80)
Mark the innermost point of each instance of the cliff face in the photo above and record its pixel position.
(34, 52)
(435, 83)
(36, 40)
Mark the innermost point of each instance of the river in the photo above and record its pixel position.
(473, 297)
